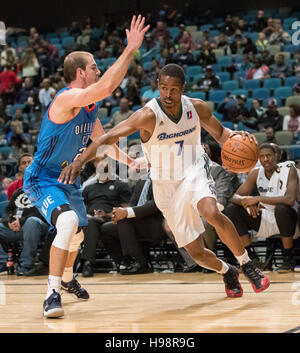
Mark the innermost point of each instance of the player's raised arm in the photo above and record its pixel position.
(81, 97)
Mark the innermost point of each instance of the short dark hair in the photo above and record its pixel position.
(268, 146)
(22, 156)
(173, 70)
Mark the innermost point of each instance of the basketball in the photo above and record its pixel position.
(239, 155)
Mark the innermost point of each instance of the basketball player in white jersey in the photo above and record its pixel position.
(170, 130)
(274, 210)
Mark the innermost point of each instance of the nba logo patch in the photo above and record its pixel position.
(189, 115)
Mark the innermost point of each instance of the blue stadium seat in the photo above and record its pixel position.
(230, 85)
(136, 135)
(147, 65)
(206, 27)
(223, 76)
(3, 205)
(216, 96)
(224, 61)
(291, 48)
(199, 94)
(174, 31)
(5, 150)
(3, 197)
(261, 93)
(54, 40)
(287, 23)
(272, 83)
(228, 124)
(136, 107)
(219, 116)
(237, 92)
(239, 74)
(216, 67)
(242, 127)
(283, 93)
(68, 42)
(291, 81)
(107, 62)
(251, 84)
(144, 89)
(193, 70)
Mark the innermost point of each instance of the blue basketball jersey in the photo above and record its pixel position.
(59, 144)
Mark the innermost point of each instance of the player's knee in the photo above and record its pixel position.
(212, 215)
(76, 240)
(66, 226)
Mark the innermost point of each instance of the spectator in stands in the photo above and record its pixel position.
(161, 31)
(266, 58)
(270, 28)
(291, 122)
(8, 56)
(30, 64)
(262, 42)
(270, 135)
(258, 71)
(180, 34)
(280, 69)
(223, 43)
(165, 57)
(134, 230)
(261, 22)
(279, 36)
(206, 57)
(249, 46)
(183, 57)
(75, 29)
(83, 40)
(46, 94)
(234, 109)
(237, 46)
(152, 92)
(229, 27)
(114, 100)
(241, 25)
(120, 115)
(273, 210)
(21, 221)
(209, 81)
(35, 122)
(25, 91)
(271, 117)
(187, 39)
(100, 198)
(133, 94)
(9, 82)
(24, 161)
(5, 184)
(256, 110)
(102, 52)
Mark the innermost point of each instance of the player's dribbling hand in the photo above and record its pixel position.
(136, 33)
(70, 173)
(244, 134)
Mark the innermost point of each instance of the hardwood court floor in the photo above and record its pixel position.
(160, 303)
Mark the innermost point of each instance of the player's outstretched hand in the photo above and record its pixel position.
(244, 134)
(70, 173)
(136, 33)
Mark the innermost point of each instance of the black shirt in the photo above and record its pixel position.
(105, 196)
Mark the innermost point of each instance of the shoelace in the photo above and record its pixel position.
(53, 298)
(75, 287)
(251, 271)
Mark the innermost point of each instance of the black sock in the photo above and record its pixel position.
(251, 252)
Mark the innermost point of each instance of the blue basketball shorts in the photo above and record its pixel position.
(46, 193)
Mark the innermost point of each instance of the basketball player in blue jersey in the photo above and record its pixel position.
(67, 126)
(172, 123)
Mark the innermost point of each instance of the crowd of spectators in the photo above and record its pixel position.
(31, 73)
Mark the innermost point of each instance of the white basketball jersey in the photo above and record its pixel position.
(175, 146)
(276, 186)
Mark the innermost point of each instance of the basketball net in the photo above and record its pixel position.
(2, 33)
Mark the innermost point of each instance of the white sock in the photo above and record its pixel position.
(54, 282)
(68, 274)
(243, 259)
(224, 268)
